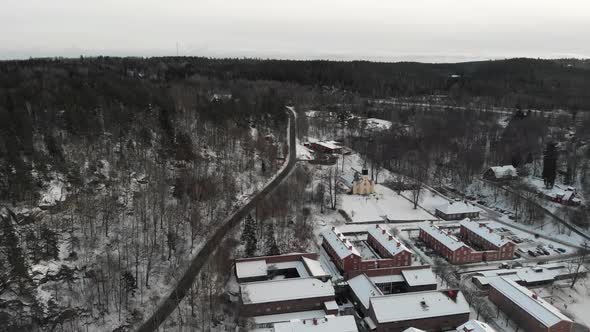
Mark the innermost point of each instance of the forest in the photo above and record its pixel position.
(114, 170)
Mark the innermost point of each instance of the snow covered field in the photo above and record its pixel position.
(385, 204)
(575, 302)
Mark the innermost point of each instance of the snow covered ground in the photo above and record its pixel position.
(575, 303)
(384, 204)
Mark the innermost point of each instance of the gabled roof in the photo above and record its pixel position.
(340, 243)
(284, 290)
(458, 208)
(484, 231)
(387, 240)
(544, 312)
(419, 305)
(441, 236)
(413, 329)
(364, 289)
(475, 326)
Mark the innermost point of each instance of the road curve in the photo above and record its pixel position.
(179, 292)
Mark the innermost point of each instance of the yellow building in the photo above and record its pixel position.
(363, 185)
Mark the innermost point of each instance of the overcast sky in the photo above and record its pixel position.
(389, 30)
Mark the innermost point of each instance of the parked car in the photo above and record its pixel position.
(551, 246)
(561, 250)
(517, 255)
(532, 253)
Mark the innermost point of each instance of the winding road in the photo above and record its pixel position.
(179, 292)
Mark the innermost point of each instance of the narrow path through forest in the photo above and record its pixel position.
(180, 290)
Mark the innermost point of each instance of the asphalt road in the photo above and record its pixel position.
(179, 292)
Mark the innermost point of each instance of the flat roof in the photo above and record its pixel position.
(284, 290)
(277, 318)
(341, 245)
(328, 324)
(314, 267)
(297, 265)
(419, 305)
(364, 289)
(251, 269)
(475, 326)
(441, 236)
(387, 279)
(458, 208)
(419, 277)
(393, 245)
(544, 312)
(483, 230)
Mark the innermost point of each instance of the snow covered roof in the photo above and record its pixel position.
(364, 289)
(413, 329)
(441, 236)
(314, 267)
(340, 243)
(387, 279)
(387, 240)
(544, 312)
(475, 326)
(329, 144)
(504, 171)
(486, 232)
(286, 317)
(330, 323)
(284, 290)
(419, 305)
(251, 269)
(331, 305)
(419, 277)
(458, 208)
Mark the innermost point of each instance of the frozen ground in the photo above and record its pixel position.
(384, 204)
(575, 303)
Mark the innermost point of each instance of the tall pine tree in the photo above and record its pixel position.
(271, 243)
(550, 165)
(249, 235)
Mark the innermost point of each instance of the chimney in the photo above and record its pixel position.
(480, 225)
(315, 321)
(377, 226)
(333, 228)
(390, 238)
(491, 230)
(398, 244)
(535, 296)
(502, 237)
(350, 247)
(383, 231)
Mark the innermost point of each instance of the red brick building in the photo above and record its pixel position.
(284, 296)
(526, 308)
(429, 311)
(448, 246)
(496, 246)
(381, 250)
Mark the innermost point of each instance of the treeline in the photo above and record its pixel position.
(44, 103)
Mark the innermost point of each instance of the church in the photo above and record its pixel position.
(362, 185)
